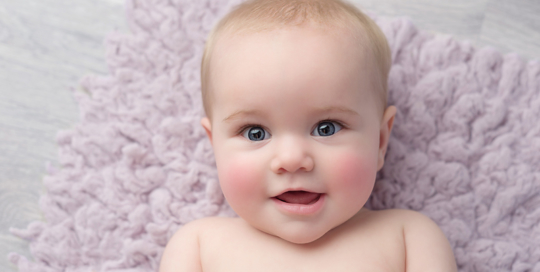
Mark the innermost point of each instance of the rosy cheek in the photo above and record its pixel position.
(354, 174)
(239, 179)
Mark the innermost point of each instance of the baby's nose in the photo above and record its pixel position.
(292, 154)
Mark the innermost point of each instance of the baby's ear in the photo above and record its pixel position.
(205, 122)
(386, 129)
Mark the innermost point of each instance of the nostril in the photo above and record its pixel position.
(292, 164)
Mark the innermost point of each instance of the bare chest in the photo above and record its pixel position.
(260, 252)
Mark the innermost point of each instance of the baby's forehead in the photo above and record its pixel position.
(352, 43)
(308, 45)
(231, 47)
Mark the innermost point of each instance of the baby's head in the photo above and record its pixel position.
(330, 16)
(295, 97)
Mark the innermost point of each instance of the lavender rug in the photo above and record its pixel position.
(465, 149)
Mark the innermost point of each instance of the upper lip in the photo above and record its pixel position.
(296, 189)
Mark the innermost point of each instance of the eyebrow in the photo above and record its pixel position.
(239, 113)
(337, 109)
(328, 109)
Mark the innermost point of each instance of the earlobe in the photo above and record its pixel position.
(205, 122)
(384, 136)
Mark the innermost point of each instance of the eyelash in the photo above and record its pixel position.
(243, 128)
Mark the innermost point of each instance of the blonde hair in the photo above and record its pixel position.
(256, 16)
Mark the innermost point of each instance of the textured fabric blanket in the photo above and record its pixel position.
(465, 149)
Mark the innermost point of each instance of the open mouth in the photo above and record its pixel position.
(300, 203)
(299, 197)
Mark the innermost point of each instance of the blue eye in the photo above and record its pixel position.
(256, 134)
(326, 128)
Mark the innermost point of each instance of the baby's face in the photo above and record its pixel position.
(295, 110)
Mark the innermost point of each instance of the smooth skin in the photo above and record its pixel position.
(289, 86)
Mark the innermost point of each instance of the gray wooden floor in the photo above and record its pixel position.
(46, 46)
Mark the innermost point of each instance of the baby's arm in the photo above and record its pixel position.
(427, 248)
(182, 251)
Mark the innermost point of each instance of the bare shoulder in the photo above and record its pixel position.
(209, 223)
(397, 218)
(183, 251)
(427, 248)
(409, 220)
(404, 217)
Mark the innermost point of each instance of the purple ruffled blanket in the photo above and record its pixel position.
(465, 149)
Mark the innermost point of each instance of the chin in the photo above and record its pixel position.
(301, 240)
(301, 237)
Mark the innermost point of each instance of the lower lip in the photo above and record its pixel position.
(301, 209)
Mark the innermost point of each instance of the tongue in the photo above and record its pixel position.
(298, 197)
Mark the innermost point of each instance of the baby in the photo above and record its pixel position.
(295, 97)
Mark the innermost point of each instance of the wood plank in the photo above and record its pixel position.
(513, 26)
